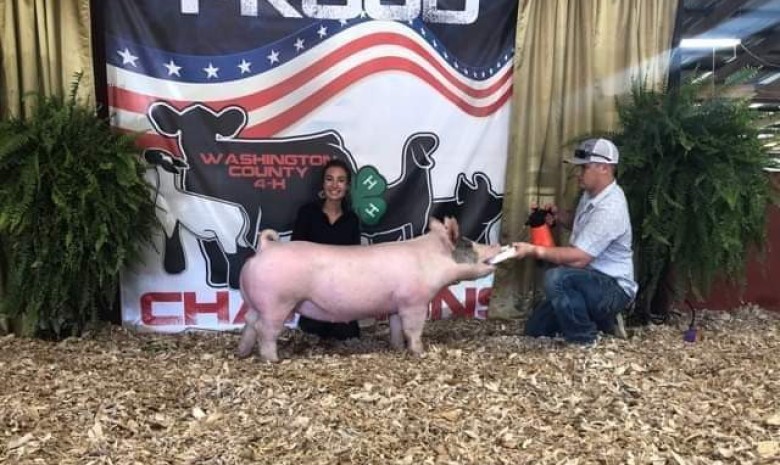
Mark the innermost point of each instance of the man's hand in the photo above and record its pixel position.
(569, 256)
(524, 249)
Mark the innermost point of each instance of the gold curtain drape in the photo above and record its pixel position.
(44, 43)
(574, 57)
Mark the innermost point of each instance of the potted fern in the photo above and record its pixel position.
(693, 171)
(74, 209)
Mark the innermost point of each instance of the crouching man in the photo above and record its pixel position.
(594, 281)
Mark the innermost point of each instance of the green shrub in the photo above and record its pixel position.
(74, 209)
(693, 173)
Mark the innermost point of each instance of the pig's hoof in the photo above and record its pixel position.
(270, 358)
(417, 351)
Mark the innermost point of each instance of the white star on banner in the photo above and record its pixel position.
(127, 57)
(172, 68)
(363, 14)
(456, 65)
(435, 45)
(446, 57)
(422, 31)
(244, 66)
(299, 44)
(343, 22)
(273, 57)
(323, 31)
(211, 71)
(491, 70)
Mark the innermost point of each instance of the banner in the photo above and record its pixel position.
(240, 103)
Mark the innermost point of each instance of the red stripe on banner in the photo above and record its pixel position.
(138, 102)
(132, 101)
(285, 87)
(300, 110)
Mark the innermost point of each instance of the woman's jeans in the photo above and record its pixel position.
(578, 304)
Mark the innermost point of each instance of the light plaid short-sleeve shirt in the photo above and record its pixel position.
(602, 229)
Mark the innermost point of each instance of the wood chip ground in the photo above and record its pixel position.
(481, 394)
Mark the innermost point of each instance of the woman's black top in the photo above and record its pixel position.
(312, 225)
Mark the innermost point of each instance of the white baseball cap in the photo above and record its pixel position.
(595, 151)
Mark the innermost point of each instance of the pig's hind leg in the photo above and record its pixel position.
(248, 335)
(262, 330)
(268, 330)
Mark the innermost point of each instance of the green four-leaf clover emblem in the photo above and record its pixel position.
(368, 187)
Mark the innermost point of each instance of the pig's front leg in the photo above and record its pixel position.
(412, 321)
(396, 332)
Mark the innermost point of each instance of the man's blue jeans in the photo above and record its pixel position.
(578, 304)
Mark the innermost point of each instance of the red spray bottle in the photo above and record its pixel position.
(540, 231)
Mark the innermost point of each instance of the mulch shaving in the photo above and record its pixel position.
(481, 394)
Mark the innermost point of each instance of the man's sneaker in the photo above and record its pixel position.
(619, 331)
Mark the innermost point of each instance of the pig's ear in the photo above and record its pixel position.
(434, 224)
(453, 231)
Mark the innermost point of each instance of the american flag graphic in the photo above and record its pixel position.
(285, 81)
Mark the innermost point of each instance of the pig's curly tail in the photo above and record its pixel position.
(266, 236)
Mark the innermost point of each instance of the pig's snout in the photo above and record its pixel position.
(467, 251)
(485, 253)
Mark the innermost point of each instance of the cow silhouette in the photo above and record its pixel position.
(475, 205)
(204, 132)
(206, 140)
